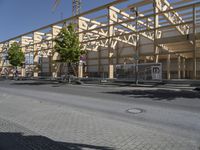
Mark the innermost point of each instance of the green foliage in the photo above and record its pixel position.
(15, 55)
(68, 45)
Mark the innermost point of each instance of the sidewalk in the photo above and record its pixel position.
(170, 85)
(32, 124)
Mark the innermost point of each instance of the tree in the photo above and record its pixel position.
(68, 45)
(15, 55)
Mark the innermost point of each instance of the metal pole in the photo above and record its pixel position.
(194, 44)
(136, 77)
(137, 40)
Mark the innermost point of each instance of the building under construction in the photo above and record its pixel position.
(121, 39)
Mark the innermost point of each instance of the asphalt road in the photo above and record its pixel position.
(175, 112)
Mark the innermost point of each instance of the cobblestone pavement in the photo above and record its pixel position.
(26, 123)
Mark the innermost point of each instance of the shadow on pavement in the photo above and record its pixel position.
(51, 83)
(159, 94)
(18, 141)
(33, 83)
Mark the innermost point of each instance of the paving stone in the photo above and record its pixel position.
(42, 125)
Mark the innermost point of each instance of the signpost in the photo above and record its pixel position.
(156, 72)
(136, 58)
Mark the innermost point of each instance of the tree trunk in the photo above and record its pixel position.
(16, 73)
(68, 72)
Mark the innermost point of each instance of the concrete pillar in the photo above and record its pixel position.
(179, 67)
(9, 67)
(111, 71)
(80, 66)
(156, 24)
(37, 37)
(111, 16)
(24, 41)
(55, 68)
(80, 69)
(168, 67)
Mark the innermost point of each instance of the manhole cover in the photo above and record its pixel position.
(135, 110)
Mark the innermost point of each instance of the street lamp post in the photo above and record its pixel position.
(136, 56)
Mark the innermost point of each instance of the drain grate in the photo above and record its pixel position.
(135, 110)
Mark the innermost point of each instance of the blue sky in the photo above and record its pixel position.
(20, 16)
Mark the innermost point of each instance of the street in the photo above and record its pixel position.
(51, 115)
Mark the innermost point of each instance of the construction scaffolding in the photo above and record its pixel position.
(155, 31)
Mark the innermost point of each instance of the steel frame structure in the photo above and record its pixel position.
(76, 7)
(158, 31)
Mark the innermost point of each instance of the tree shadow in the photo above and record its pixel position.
(33, 83)
(51, 83)
(159, 94)
(18, 141)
